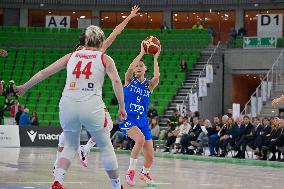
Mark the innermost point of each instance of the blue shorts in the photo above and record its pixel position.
(141, 122)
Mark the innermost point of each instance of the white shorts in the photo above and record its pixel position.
(109, 126)
(91, 114)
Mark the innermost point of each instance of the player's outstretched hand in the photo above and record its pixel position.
(156, 56)
(134, 11)
(20, 90)
(3, 53)
(122, 114)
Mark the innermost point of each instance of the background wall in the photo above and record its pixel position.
(245, 62)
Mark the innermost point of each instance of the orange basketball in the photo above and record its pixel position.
(151, 45)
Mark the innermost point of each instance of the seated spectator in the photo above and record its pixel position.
(117, 139)
(196, 114)
(18, 114)
(239, 129)
(183, 129)
(152, 112)
(155, 129)
(277, 130)
(192, 135)
(260, 139)
(228, 137)
(115, 127)
(190, 116)
(25, 118)
(14, 108)
(174, 117)
(281, 115)
(34, 119)
(277, 142)
(230, 112)
(216, 137)
(197, 26)
(183, 65)
(246, 138)
(173, 133)
(8, 103)
(242, 32)
(202, 136)
(164, 27)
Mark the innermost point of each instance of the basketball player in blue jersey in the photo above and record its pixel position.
(137, 93)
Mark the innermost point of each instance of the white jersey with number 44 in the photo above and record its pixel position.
(85, 75)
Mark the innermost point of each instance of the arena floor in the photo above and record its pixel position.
(31, 168)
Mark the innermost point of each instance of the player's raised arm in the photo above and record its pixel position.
(116, 84)
(118, 29)
(130, 71)
(43, 74)
(155, 80)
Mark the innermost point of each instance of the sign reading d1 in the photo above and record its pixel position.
(57, 21)
(269, 25)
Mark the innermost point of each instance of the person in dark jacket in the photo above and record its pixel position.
(18, 114)
(152, 113)
(260, 138)
(34, 119)
(245, 139)
(275, 135)
(258, 128)
(228, 136)
(215, 137)
(191, 136)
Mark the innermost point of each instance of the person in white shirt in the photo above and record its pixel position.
(202, 138)
(183, 129)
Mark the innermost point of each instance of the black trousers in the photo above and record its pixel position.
(170, 141)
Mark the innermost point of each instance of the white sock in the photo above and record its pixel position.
(115, 183)
(145, 170)
(132, 164)
(59, 175)
(58, 155)
(90, 144)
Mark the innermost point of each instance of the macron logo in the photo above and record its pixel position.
(32, 135)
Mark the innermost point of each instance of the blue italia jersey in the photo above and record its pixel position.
(137, 97)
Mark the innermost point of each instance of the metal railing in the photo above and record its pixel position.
(263, 92)
(211, 61)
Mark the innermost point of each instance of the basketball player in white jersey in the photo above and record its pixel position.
(85, 150)
(82, 104)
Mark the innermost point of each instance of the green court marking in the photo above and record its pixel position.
(249, 162)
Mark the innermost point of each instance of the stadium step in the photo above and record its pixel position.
(191, 79)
